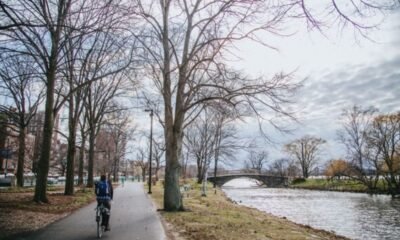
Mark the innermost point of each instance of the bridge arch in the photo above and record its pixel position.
(270, 181)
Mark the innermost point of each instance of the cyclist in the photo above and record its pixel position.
(104, 194)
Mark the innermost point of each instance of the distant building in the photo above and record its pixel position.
(9, 144)
(35, 128)
(9, 165)
(33, 140)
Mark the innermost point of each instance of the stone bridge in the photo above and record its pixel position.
(268, 180)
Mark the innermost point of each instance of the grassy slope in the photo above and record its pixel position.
(215, 217)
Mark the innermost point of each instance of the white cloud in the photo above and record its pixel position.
(340, 73)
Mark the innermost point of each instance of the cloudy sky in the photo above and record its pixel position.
(340, 71)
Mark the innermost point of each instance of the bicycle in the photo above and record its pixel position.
(100, 211)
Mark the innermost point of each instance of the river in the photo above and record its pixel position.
(354, 215)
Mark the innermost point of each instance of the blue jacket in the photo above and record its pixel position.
(104, 196)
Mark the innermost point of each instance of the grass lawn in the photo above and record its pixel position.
(20, 214)
(215, 217)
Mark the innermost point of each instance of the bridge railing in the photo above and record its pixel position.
(234, 172)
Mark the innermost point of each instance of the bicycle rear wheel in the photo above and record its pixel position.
(100, 228)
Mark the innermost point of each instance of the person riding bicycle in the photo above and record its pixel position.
(104, 194)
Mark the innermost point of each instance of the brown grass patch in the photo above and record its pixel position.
(215, 217)
(19, 213)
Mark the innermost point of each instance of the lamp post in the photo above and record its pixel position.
(151, 145)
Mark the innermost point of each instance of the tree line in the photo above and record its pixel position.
(371, 140)
(372, 143)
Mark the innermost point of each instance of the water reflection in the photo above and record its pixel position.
(354, 215)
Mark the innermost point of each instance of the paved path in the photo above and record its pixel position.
(133, 217)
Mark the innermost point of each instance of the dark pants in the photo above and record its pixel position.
(106, 217)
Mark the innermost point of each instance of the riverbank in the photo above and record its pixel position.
(216, 217)
(354, 215)
(339, 185)
(19, 214)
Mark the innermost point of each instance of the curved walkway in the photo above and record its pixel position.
(133, 217)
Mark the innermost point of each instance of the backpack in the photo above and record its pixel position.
(102, 189)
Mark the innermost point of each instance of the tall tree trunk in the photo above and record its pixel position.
(216, 157)
(199, 170)
(3, 134)
(172, 195)
(216, 152)
(81, 160)
(173, 129)
(305, 172)
(184, 165)
(36, 150)
(144, 174)
(21, 157)
(43, 164)
(91, 157)
(69, 182)
(115, 169)
(48, 124)
(157, 170)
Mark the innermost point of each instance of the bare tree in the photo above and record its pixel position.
(35, 28)
(158, 153)
(107, 80)
(41, 29)
(256, 160)
(208, 139)
(141, 163)
(185, 159)
(82, 150)
(118, 125)
(92, 54)
(108, 68)
(200, 142)
(59, 160)
(281, 167)
(19, 81)
(98, 103)
(384, 140)
(185, 60)
(104, 153)
(305, 151)
(211, 138)
(226, 141)
(356, 123)
(75, 108)
(187, 44)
